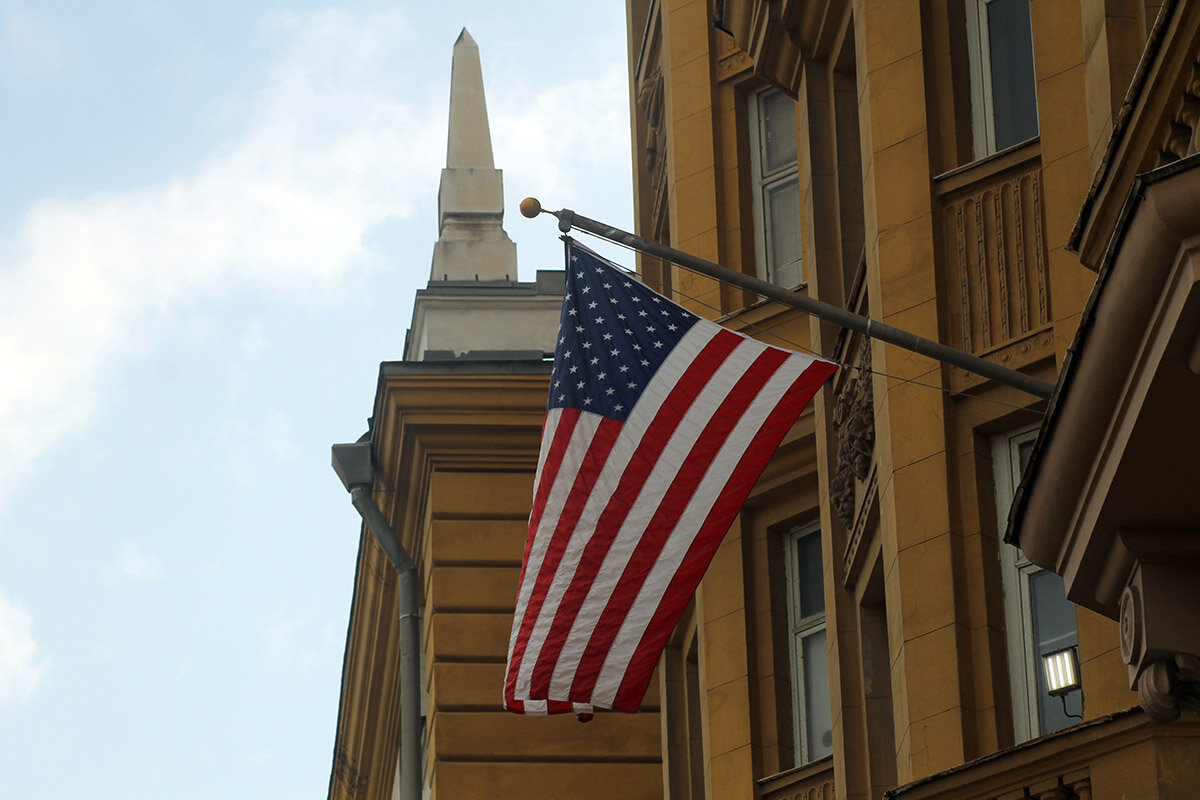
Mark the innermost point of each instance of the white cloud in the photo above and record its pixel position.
(345, 136)
(332, 150)
(556, 141)
(23, 668)
(137, 565)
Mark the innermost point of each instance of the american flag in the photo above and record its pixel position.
(658, 425)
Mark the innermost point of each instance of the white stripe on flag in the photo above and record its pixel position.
(684, 534)
(553, 417)
(581, 439)
(664, 380)
(650, 497)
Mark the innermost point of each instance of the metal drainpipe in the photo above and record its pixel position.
(352, 462)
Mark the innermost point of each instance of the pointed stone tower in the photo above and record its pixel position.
(472, 244)
(474, 306)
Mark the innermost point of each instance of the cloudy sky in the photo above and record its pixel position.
(213, 220)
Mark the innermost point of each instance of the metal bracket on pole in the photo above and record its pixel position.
(568, 219)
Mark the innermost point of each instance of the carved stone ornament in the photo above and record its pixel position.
(1167, 687)
(1166, 683)
(1181, 135)
(854, 423)
(1132, 645)
(650, 101)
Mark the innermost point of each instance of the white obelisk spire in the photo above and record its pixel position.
(472, 244)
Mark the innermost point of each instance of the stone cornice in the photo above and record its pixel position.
(1157, 124)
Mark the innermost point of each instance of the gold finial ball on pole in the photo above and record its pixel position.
(530, 207)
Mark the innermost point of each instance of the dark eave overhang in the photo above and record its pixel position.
(1056, 517)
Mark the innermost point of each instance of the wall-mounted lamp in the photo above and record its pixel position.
(1061, 669)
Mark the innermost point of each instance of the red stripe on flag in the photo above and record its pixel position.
(670, 509)
(549, 471)
(691, 570)
(654, 440)
(601, 444)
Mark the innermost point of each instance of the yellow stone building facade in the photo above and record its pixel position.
(923, 164)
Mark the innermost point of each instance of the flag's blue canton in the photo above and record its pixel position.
(613, 335)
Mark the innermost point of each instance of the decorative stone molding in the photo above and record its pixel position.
(1156, 125)
(867, 517)
(650, 101)
(1167, 687)
(1131, 756)
(995, 250)
(809, 782)
(1017, 354)
(1160, 641)
(854, 422)
(1080, 784)
(768, 31)
(1180, 136)
(1057, 785)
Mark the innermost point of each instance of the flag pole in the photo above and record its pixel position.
(567, 219)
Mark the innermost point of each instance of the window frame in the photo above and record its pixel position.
(685, 763)
(799, 629)
(764, 182)
(1017, 572)
(979, 57)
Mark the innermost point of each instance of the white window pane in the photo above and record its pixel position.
(778, 124)
(1014, 98)
(783, 231)
(818, 714)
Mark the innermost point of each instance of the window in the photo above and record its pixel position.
(1039, 618)
(812, 715)
(695, 726)
(776, 187)
(683, 712)
(1003, 91)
